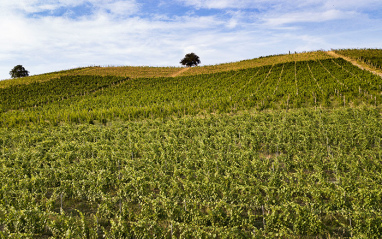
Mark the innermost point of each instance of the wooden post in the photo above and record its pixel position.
(351, 229)
(288, 103)
(315, 102)
(262, 208)
(119, 170)
(61, 201)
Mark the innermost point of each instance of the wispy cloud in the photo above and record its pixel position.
(221, 4)
(287, 5)
(49, 35)
(308, 17)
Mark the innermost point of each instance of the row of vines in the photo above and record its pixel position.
(283, 174)
(290, 150)
(371, 57)
(40, 94)
(85, 99)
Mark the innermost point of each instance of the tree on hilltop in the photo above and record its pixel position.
(190, 59)
(18, 71)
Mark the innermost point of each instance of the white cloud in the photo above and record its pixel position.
(299, 17)
(121, 7)
(118, 7)
(33, 6)
(101, 39)
(113, 34)
(282, 4)
(222, 4)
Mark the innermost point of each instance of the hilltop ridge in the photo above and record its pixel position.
(149, 72)
(292, 81)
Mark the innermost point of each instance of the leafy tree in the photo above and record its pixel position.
(190, 60)
(18, 71)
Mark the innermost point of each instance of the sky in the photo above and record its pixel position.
(53, 35)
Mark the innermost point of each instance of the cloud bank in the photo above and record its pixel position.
(51, 35)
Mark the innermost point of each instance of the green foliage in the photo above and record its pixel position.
(277, 151)
(372, 57)
(190, 59)
(297, 173)
(18, 71)
(40, 94)
(324, 83)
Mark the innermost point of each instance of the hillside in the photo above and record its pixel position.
(145, 71)
(280, 146)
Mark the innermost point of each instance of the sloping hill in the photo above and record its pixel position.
(151, 72)
(369, 59)
(284, 146)
(317, 83)
(257, 62)
(41, 78)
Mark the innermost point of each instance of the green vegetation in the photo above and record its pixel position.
(190, 59)
(288, 149)
(40, 94)
(257, 62)
(127, 71)
(40, 78)
(304, 172)
(371, 57)
(19, 71)
(153, 72)
(81, 99)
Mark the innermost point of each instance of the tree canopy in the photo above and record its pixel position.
(190, 59)
(18, 71)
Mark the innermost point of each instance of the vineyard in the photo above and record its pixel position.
(82, 99)
(151, 72)
(371, 57)
(261, 61)
(289, 149)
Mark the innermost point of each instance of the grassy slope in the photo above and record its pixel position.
(41, 78)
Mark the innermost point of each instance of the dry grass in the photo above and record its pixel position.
(133, 71)
(151, 72)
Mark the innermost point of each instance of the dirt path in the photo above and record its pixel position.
(180, 72)
(354, 62)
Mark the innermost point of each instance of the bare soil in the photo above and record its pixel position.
(180, 72)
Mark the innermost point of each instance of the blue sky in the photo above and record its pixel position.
(51, 35)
